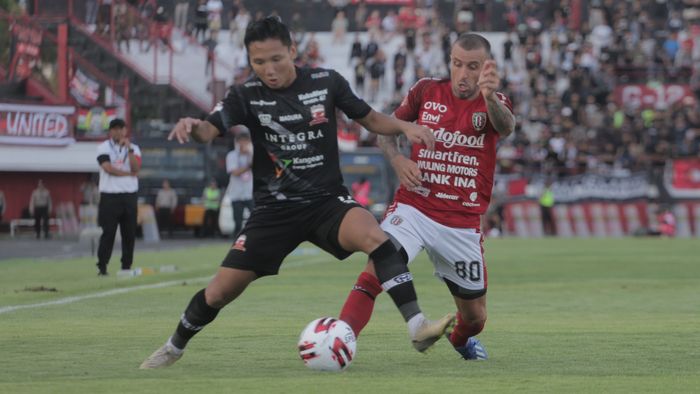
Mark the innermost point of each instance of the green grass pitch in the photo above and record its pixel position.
(565, 315)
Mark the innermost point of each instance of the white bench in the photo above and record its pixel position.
(18, 223)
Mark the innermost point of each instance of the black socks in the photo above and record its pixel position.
(395, 278)
(197, 315)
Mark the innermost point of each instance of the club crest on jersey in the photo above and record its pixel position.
(479, 120)
(396, 220)
(265, 119)
(318, 114)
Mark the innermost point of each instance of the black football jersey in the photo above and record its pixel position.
(294, 133)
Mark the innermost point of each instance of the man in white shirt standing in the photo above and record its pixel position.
(120, 162)
(239, 163)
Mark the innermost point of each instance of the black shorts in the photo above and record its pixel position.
(272, 233)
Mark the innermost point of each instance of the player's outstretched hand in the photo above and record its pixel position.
(407, 171)
(489, 80)
(183, 129)
(418, 134)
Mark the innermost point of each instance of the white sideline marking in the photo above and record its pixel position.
(69, 300)
(107, 293)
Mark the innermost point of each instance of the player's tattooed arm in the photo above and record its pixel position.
(501, 117)
(389, 144)
(405, 168)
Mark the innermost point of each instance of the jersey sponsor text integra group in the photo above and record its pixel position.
(294, 134)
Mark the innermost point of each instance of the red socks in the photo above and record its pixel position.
(464, 330)
(360, 302)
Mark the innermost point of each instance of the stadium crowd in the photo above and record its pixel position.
(561, 69)
(561, 66)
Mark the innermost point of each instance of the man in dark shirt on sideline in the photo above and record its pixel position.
(298, 188)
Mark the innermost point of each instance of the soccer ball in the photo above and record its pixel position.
(327, 344)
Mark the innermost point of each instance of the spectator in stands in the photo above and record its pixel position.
(210, 45)
(390, 25)
(161, 30)
(91, 13)
(181, 14)
(147, 9)
(212, 201)
(373, 24)
(214, 10)
(200, 20)
(339, 27)
(239, 164)
(400, 59)
(3, 205)
(408, 23)
(376, 74)
(298, 29)
(166, 202)
(241, 22)
(104, 17)
(360, 74)
(40, 208)
(355, 50)
(122, 24)
(360, 16)
(428, 59)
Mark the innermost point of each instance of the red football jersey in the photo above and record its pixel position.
(457, 177)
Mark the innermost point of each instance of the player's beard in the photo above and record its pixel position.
(463, 90)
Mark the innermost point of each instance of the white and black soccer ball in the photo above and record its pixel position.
(327, 344)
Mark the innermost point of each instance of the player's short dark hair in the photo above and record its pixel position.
(266, 28)
(117, 123)
(469, 41)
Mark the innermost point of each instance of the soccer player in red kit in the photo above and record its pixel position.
(444, 192)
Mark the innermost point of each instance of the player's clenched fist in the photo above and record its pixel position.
(183, 129)
(489, 80)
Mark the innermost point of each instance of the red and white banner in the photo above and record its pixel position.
(686, 174)
(84, 88)
(600, 219)
(36, 124)
(26, 43)
(651, 95)
(682, 178)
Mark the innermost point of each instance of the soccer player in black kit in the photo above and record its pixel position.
(298, 188)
